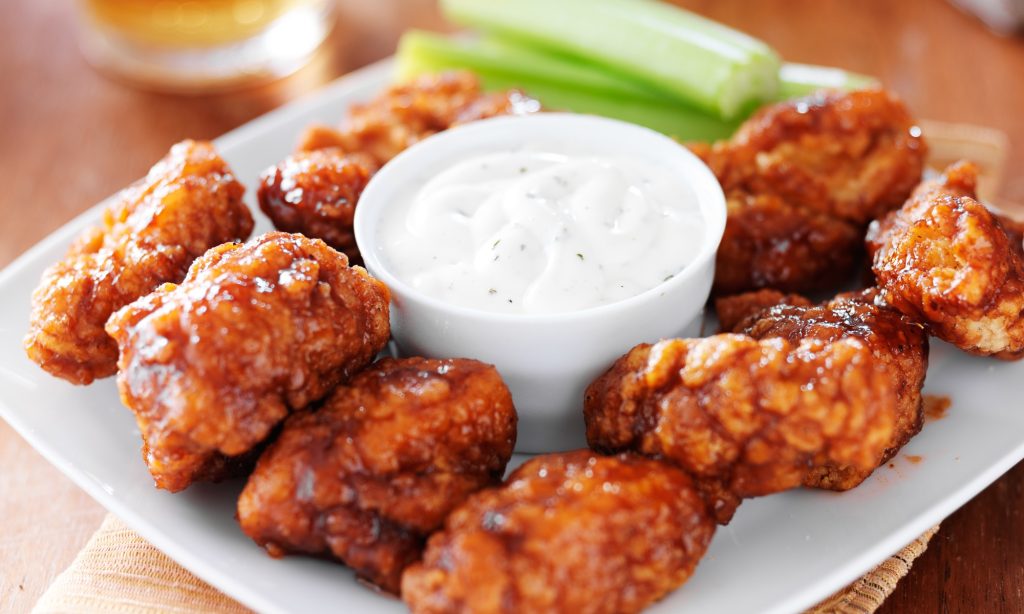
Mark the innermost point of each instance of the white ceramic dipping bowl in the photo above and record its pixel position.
(547, 360)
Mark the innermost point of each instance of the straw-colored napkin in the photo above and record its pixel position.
(120, 572)
(867, 594)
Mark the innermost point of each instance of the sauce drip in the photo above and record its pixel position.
(936, 406)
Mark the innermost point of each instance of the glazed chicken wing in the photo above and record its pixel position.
(572, 532)
(151, 233)
(410, 112)
(315, 193)
(803, 179)
(211, 366)
(370, 474)
(746, 417)
(733, 310)
(898, 345)
(946, 260)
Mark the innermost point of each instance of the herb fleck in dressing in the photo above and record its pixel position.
(542, 232)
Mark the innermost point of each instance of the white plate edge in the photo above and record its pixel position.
(874, 556)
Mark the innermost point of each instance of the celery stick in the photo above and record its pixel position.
(491, 54)
(668, 117)
(801, 79)
(702, 62)
(566, 83)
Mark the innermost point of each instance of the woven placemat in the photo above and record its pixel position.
(120, 572)
(867, 594)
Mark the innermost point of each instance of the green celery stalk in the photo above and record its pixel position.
(668, 117)
(493, 55)
(701, 62)
(565, 83)
(801, 79)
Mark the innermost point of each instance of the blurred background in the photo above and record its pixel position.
(74, 135)
(75, 131)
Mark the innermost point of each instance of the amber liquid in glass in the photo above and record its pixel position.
(196, 45)
(188, 23)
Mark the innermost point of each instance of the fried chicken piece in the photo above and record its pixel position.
(316, 190)
(315, 193)
(733, 310)
(898, 344)
(150, 234)
(946, 260)
(802, 180)
(1014, 228)
(745, 417)
(769, 243)
(319, 136)
(959, 180)
(369, 475)
(211, 366)
(571, 532)
(410, 112)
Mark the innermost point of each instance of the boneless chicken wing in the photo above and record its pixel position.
(734, 309)
(315, 193)
(745, 417)
(407, 113)
(802, 180)
(370, 474)
(211, 366)
(150, 234)
(898, 345)
(769, 243)
(947, 261)
(572, 532)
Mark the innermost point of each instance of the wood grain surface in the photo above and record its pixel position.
(71, 137)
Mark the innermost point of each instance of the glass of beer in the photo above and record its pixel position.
(197, 46)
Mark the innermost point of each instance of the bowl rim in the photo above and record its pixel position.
(701, 180)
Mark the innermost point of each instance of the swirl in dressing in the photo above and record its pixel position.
(540, 232)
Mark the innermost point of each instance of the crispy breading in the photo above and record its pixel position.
(734, 309)
(571, 532)
(315, 193)
(958, 180)
(316, 190)
(407, 113)
(899, 345)
(769, 243)
(802, 179)
(211, 366)
(947, 261)
(379, 466)
(150, 234)
(320, 136)
(745, 417)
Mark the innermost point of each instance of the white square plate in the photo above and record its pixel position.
(780, 554)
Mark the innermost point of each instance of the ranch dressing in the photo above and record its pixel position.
(540, 232)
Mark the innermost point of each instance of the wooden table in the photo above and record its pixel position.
(71, 137)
